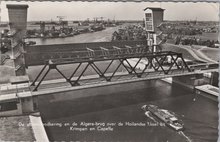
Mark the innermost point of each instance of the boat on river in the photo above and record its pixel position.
(164, 115)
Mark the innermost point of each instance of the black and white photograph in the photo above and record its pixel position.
(109, 71)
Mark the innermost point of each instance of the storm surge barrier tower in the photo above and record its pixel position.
(18, 24)
(153, 20)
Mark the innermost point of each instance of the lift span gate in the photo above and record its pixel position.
(123, 54)
(38, 54)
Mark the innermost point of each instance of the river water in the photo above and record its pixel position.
(122, 111)
(101, 36)
(200, 117)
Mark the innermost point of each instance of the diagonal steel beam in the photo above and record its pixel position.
(174, 62)
(76, 82)
(33, 83)
(160, 66)
(69, 80)
(109, 79)
(35, 89)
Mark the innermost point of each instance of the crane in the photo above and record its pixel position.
(96, 19)
(61, 21)
(60, 18)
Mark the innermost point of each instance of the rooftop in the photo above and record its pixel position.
(17, 6)
(154, 8)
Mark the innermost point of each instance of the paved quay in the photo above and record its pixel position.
(208, 91)
(12, 130)
(22, 128)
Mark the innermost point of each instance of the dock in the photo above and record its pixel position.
(208, 91)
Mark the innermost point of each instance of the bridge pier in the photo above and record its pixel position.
(18, 104)
(189, 81)
(21, 101)
(214, 80)
(28, 103)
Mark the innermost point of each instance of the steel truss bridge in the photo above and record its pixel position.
(133, 58)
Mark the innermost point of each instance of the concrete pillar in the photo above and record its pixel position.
(155, 42)
(28, 102)
(18, 24)
(214, 79)
(27, 105)
(17, 17)
(189, 81)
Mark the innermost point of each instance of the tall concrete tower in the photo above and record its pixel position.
(17, 16)
(153, 19)
(18, 24)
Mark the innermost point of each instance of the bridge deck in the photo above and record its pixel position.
(52, 86)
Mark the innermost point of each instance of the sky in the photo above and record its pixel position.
(38, 11)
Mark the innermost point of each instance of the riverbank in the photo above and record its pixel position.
(194, 54)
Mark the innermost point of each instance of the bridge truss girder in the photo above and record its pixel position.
(155, 62)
